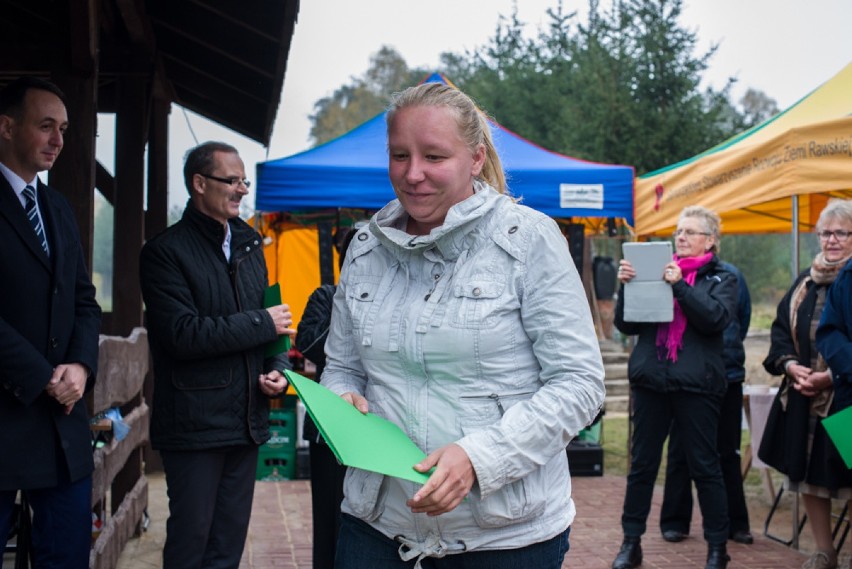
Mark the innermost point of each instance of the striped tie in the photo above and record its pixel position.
(32, 215)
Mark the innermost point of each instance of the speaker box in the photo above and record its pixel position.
(604, 273)
(575, 236)
(585, 458)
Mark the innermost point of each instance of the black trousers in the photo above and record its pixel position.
(326, 494)
(210, 498)
(696, 417)
(676, 513)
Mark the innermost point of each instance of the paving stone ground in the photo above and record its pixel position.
(280, 532)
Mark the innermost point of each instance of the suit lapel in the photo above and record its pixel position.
(16, 217)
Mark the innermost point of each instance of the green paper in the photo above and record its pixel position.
(839, 429)
(368, 442)
(272, 297)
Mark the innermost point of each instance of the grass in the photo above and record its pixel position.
(614, 443)
(762, 316)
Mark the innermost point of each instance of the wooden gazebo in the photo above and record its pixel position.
(222, 59)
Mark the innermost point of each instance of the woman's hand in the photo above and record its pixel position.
(672, 273)
(797, 371)
(448, 485)
(357, 401)
(812, 382)
(626, 272)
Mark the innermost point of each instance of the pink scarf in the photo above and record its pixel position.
(670, 334)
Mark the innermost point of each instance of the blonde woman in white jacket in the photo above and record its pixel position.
(461, 318)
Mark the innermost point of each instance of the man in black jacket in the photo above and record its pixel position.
(203, 281)
(49, 324)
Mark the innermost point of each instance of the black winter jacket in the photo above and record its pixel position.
(311, 336)
(735, 333)
(784, 445)
(708, 307)
(207, 330)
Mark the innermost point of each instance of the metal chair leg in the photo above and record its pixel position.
(842, 521)
(798, 524)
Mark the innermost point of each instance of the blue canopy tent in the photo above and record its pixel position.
(351, 173)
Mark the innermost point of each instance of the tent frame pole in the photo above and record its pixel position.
(794, 204)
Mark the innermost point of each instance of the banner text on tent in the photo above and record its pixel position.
(812, 149)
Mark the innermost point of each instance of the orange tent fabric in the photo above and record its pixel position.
(292, 259)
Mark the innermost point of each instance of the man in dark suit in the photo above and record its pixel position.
(49, 324)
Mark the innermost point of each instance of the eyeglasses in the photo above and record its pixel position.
(232, 182)
(840, 234)
(688, 232)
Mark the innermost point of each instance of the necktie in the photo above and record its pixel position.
(32, 215)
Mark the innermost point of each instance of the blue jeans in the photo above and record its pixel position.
(362, 547)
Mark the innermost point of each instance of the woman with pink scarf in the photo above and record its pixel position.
(677, 380)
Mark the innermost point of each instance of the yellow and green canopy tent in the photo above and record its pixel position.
(760, 180)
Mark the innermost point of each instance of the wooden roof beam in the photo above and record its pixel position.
(138, 24)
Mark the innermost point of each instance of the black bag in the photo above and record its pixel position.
(784, 445)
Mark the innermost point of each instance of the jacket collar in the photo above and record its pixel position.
(214, 230)
(450, 239)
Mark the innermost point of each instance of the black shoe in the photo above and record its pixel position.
(673, 535)
(742, 536)
(717, 557)
(630, 554)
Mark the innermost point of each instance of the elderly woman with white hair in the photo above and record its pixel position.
(794, 440)
(677, 380)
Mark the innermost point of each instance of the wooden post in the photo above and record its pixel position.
(157, 215)
(128, 228)
(75, 71)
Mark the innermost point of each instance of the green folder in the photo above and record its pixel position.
(839, 429)
(368, 442)
(272, 297)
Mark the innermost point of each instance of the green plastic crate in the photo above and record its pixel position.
(272, 466)
(282, 430)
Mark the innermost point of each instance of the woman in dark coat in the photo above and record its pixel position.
(677, 380)
(794, 441)
(326, 473)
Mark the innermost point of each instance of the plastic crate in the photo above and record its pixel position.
(273, 466)
(303, 463)
(282, 431)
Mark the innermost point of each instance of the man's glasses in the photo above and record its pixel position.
(688, 232)
(840, 234)
(232, 182)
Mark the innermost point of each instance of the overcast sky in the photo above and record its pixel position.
(781, 47)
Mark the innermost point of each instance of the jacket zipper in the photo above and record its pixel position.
(249, 399)
(496, 398)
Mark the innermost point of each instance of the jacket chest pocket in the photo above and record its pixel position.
(475, 301)
(361, 296)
